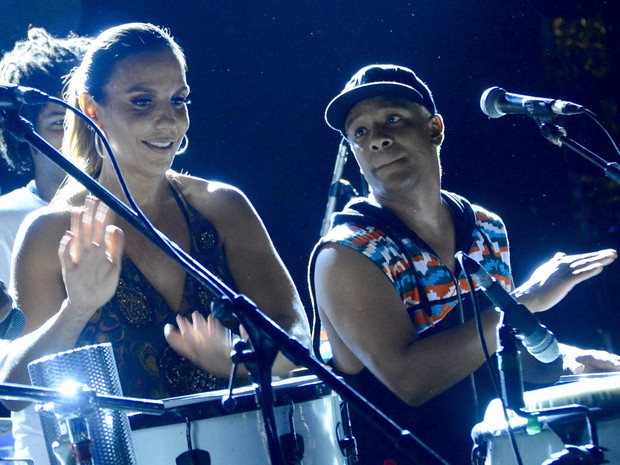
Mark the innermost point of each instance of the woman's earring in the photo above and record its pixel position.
(99, 147)
(183, 147)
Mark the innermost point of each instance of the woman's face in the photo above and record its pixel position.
(145, 111)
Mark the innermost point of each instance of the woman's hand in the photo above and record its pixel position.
(90, 256)
(206, 342)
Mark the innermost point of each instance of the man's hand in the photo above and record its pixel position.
(579, 361)
(552, 281)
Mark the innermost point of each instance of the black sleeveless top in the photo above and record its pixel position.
(133, 321)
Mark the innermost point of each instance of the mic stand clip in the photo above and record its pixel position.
(557, 136)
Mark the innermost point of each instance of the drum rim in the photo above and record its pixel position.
(207, 405)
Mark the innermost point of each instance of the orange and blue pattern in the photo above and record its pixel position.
(488, 246)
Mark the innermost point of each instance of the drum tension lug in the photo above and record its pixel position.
(292, 443)
(240, 354)
(347, 443)
(293, 448)
(192, 456)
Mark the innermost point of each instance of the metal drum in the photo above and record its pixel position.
(303, 405)
(95, 367)
(599, 393)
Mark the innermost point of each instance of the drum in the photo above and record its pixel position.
(236, 435)
(600, 394)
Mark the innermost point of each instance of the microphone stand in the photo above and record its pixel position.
(509, 364)
(557, 136)
(334, 187)
(10, 391)
(268, 337)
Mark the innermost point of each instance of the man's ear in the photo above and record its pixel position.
(437, 129)
(90, 107)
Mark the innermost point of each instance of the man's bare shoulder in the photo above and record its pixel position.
(341, 267)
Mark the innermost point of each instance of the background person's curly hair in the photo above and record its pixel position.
(43, 62)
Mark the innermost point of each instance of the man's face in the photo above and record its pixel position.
(392, 140)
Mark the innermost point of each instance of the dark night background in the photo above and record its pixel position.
(262, 72)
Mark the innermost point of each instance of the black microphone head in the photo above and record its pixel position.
(489, 102)
(12, 95)
(13, 326)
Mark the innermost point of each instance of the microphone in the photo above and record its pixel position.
(334, 187)
(14, 324)
(12, 95)
(496, 102)
(537, 339)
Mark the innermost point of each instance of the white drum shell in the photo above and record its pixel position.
(240, 438)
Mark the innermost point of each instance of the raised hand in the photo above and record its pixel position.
(90, 255)
(552, 281)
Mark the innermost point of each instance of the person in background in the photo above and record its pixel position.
(391, 295)
(43, 62)
(112, 284)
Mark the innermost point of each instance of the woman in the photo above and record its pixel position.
(132, 84)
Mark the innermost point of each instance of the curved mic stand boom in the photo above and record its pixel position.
(266, 336)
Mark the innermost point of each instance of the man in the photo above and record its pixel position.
(390, 294)
(42, 62)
